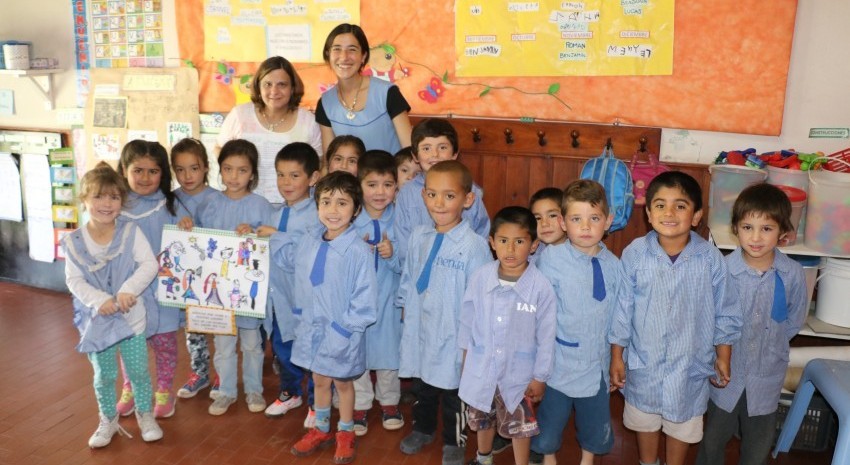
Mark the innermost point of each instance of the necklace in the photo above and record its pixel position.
(350, 113)
(271, 125)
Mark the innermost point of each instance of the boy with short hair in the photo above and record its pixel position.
(545, 204)
(336, 291)
(441, 257)
(406, 166)
(678, 315)
(377, 175)
(585, 275)
(772, 289)
(432, 141)
(297, 167)
(507, 334)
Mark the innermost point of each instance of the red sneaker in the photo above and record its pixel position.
(311, 442)
(345, 442)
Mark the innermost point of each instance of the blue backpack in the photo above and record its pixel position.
(615, 177)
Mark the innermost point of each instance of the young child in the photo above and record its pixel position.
(441, 257)
(237, 209)
(336, 291)
(297, 166)
(678, 315)
(343, 154)
(191, 167)
(377, 175)
(406, 166)
(151, 205)
(585, 276)
(433, 141)
(546, 206)
(508, 308)
(772, 289)
(108, 270)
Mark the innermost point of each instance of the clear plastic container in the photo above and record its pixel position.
(727, 181)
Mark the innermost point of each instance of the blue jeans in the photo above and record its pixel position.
(290, 375)
(225, 361)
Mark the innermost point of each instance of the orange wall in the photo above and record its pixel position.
(730, 70)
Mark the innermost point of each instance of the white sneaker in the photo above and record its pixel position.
(255, 401)
(279, 407)
(220, 405)
(310, 421)
(147, 424)
(104, 432)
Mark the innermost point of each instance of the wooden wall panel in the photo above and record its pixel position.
(510, 171)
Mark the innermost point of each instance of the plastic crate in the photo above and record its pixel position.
(817, 431)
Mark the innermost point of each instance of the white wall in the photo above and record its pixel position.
(818, 91)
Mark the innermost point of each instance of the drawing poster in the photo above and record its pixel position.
(213, 268)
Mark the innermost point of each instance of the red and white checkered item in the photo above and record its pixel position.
(837, 165)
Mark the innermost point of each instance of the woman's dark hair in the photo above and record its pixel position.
(346, 28)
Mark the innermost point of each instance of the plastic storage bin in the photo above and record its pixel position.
(817, 432)
(798, 206)
(793, 178)
(16, 56)
(727, 181)
(834, 292)
(828, 215)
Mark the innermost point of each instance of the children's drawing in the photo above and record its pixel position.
(211, 290)
(255, 276)
(205, 267)
(189, 293)
(226, 253)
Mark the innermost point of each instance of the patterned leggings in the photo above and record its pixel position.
(199, 354)
(134, 364)
(164, 347)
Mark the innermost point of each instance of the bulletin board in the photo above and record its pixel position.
(138, 103)
(730, 69)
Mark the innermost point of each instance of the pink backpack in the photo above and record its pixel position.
(643, 171)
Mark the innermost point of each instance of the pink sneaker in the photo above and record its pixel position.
(126, 404)
(165, 404)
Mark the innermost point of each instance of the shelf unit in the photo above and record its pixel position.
(42, 78)
(725, 240)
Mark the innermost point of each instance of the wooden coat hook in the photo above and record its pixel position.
(574, 137)
(509, 136)
(609, 145)
(643, 140)
(476, 137)
(541, 138)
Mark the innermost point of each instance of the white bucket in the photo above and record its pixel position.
(16, 56)
(834, 292)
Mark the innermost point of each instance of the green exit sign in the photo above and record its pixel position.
(829, 133)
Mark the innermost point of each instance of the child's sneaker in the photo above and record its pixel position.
(361, 425)
(214, 393)
(147, 424)
(165, 404)
(311, 442)
(391, 418)
(126, 404)
(104, 432)
(283, 404)
(413, 442)
(500, 444)
(345, 444)
(191, 388)
(535, 458)
(220, 405)
(256, 403)
(310, 420)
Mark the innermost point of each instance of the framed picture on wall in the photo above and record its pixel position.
(63, 194)
(62, 175)
(58, 235)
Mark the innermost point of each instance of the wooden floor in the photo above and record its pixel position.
(48, 410)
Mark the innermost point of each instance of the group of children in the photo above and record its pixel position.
(380, 267)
